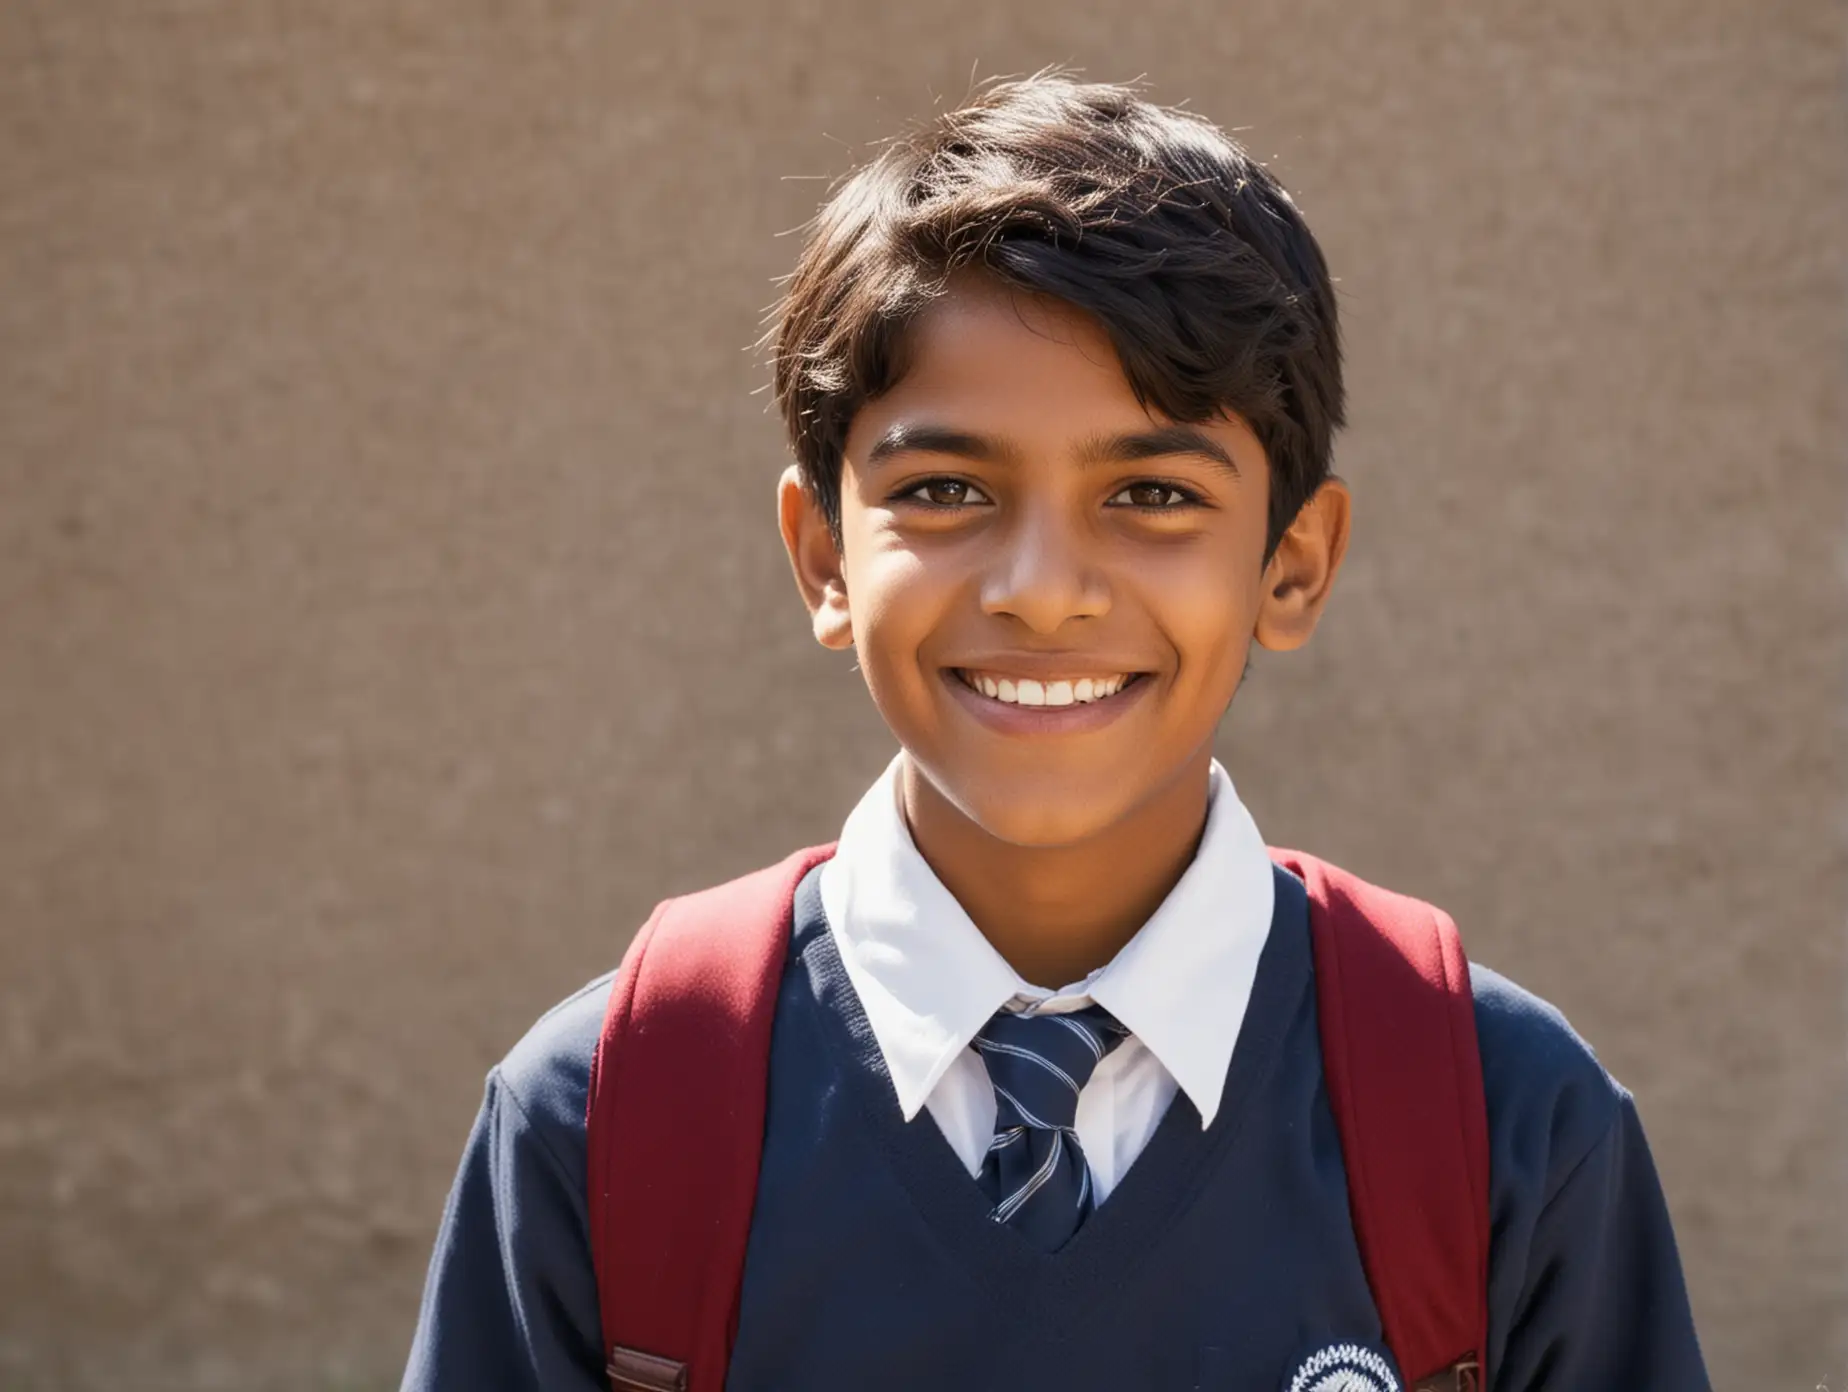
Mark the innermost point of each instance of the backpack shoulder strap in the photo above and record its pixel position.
(1398, 1028)
(675, 1125)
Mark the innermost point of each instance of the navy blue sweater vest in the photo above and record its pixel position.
(873, 1261)
(1224, 1257)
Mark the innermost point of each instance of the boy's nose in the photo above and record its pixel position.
(1043, 576)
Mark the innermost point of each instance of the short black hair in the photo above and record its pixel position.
(1188, 252)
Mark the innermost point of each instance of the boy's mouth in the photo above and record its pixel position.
(1030, 691)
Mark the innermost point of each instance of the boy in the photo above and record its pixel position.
(1046, 1105)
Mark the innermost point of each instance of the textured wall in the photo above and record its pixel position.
(390, 609)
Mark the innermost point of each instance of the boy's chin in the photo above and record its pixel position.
(1045, 814)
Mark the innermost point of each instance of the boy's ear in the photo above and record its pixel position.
(815, 559)
(1302, 571)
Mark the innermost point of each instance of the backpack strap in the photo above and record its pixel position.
(1398, 1027)
(675, 1125)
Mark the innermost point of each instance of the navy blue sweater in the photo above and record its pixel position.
(1222, 1259)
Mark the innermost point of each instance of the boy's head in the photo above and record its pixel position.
(1061, 373)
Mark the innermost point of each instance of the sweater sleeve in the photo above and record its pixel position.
(1585, 1284)
(510, 1302)
(1600, 1299)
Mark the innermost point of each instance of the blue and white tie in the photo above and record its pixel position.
(1034, 1172)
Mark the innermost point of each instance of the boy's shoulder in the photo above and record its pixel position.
(545, 1077)
(1550, 1101)
(1545, 1089)
(1521, 1030)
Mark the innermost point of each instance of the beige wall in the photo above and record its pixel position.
(390, 609)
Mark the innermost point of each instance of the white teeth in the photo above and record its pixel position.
(1025, 691)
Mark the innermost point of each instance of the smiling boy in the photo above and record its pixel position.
(1052, 598)
(1045, 1102)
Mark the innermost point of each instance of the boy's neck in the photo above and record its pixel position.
(1058, 913)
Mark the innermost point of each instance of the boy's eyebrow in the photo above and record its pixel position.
(903, 438)
(1158, 443)
(1155, 443)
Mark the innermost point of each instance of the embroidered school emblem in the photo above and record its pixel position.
(1345, 1368)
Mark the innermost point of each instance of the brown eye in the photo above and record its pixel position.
(1151, 495)
(946, 492)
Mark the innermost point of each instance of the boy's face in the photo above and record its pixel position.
(1051, 592)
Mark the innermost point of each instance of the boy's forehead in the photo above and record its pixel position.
(978, 313)
(986, 346)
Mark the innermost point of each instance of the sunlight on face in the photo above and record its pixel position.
(1052, 591)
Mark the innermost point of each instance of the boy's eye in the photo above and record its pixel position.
(1153, 495)
(946, 492)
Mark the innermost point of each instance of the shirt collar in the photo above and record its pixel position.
(928, 980)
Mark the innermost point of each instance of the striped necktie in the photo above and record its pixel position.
(1034, 1172)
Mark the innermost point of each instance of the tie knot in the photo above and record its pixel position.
(1039, 1063)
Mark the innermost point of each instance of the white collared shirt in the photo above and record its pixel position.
(928, 981)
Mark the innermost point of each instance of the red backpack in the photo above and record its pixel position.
(677, 1099)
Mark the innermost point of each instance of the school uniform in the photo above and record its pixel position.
(1213, 1246)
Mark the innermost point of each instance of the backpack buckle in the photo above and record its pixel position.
(631, 1370)
(1465, 1375)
